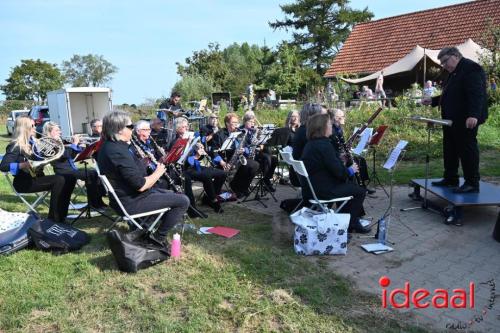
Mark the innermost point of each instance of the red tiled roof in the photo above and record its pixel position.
(374, 45)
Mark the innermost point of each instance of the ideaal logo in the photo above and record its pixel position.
(421, 298)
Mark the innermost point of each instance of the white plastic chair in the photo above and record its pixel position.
(127, 216)
(39, 196)
(300, 168)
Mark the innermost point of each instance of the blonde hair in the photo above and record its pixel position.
(48, 127)
(22, 134)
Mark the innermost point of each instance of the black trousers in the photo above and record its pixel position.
(212, 180)
(244, 175)
(363, 169)
(158, 198)
(460, 146)
(60, 188)
(91, 184)
(268, 164)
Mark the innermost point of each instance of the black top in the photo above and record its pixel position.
(65, 164)
(168, 104)
(207, 130)
(123, 170)
(464, 94)
(164, 138)
(337, 138)
(324, 166)
(10, 163)
(299, 142)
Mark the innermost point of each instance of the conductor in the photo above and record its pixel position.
(463, 101)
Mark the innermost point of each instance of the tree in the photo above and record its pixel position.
(32, 80)
(321, 26)
(88, 71)
(193, 87)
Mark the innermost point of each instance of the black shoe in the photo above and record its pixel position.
(359, 229)
(445, 183)
(466, 188)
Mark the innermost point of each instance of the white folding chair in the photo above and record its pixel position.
(39, 196)
(133, 218)
(300, 168)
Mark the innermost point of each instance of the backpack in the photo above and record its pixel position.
(58, 238)
(136, 250)
(14, 230)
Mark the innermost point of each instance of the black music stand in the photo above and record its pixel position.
(430, 125)
(82, 157)
(374, 141)
(260, 188)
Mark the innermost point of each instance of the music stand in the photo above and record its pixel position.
(260, 189)
(430, 125)
(82, 157)
(374, 141)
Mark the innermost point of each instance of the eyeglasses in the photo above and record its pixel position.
(145, 129)
(444, 61)
(131, 126)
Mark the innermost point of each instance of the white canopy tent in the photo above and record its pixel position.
(469, 49)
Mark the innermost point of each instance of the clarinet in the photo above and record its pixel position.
(148, 155)
(238, 158)
(347, 158)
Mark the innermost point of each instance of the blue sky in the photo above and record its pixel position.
(145, 39)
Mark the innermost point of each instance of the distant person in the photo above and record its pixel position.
(429, 89)
(250, 96)
(96, 128)
(173, 104)
(379, 88)
(493, 84)
(367, 93)
(464, 101)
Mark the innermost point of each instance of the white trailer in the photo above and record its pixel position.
(74, 108)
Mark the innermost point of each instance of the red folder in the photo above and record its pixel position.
(176, 151)
(379, 133)
(89, 151)
(224, 231)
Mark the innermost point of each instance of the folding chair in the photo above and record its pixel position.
(126, 216)
(39, 200)
(286, 154)
(300, 168)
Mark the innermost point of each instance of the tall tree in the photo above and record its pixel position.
(32, 80)
(88, 70)
(321, 26)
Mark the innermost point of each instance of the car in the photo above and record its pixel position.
(40, 113)
(12, 119)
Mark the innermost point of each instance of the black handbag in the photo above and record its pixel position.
(136, 250)
(58, 238)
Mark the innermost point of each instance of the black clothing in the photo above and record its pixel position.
(245, 173)
(126, 174)
(212, 180)
(60, 187)
(169, 104)
(208, 130)
(65, 166)
(464, 95)
(299, 142)
(329, 176)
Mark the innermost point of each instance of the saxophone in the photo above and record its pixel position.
(144, 154)
(238, 158)
(254, 144)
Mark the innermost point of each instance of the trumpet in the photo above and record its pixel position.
(83, 139)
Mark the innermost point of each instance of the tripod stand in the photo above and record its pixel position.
(88, 209)
(430, 125)
(260, 190)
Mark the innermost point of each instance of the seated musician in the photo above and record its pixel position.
(163, 136)
(65, 165)
(96, 128)
(135, 188)
(244, 173)
(338, 121)
(207, 131)
(267, 162)
(300, 138)
(327, 172)
(292, 123)
(16, 161)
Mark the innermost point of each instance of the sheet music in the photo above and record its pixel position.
(229, 141)
(393, 157)
(188, 148)
(363, 141)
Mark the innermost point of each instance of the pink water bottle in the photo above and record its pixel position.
(175, 250)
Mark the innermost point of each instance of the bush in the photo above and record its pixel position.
(194, 87)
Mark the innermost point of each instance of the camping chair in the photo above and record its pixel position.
(322, 205)
(39, 196)
(134, 218)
